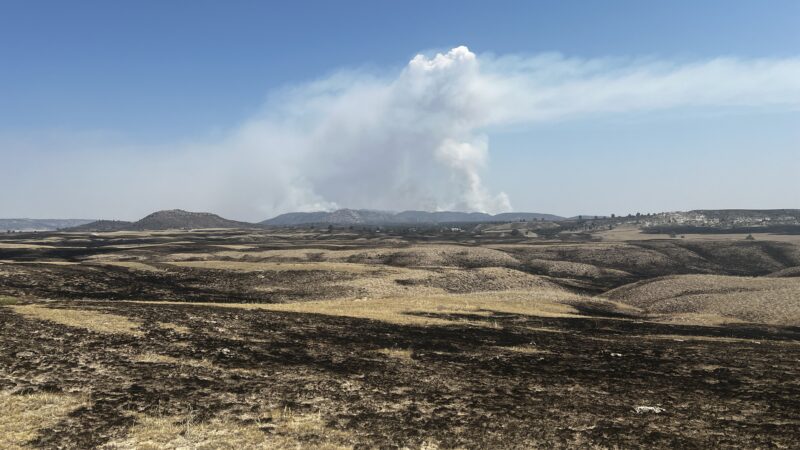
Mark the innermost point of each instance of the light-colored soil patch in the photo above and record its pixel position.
(80, 318)
(22, 416)
(289, 431)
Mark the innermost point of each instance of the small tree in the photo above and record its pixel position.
(750, 237)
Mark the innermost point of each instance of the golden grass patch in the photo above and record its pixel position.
(405, 310)
(288, 431)
(81, 318)
(22, 416)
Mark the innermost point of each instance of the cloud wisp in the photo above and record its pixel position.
(416, 138)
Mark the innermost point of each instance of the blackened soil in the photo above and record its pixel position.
(88, 281)
(465, 386)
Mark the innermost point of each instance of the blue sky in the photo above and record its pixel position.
(144, 78)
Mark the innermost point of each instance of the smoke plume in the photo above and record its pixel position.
(414, 138)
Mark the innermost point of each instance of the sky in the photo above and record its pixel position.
(250, 109)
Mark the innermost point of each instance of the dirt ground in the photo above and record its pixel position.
(264, 339)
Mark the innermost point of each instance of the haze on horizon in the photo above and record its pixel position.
(249, 111)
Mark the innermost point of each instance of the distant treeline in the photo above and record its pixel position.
(692, 229)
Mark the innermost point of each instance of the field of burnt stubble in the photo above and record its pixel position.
(347, 339)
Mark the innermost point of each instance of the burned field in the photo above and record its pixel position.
(267, 339)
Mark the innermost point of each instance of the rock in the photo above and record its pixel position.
(649, 409)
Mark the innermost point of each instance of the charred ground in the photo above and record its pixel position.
(362, 339)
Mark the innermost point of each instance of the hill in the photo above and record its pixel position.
(164, 220)
(715, 298)
(178, 218)
(371, 217)
(103, 225)
(40, 224)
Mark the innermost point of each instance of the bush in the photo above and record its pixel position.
(5, 301)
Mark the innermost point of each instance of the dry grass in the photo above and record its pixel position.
(288, 431)
(431, 255)
(240, 266)
(22, 416)
(24, 246)
(398, 353)
(80, 318)
(524, 349)
(235, 246)
(404, 310)
(715, 299)
(567, 269)
(134, 265)
(29, 263)
(702, 319)
(158, 358)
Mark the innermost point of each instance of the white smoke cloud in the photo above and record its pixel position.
(413, 139)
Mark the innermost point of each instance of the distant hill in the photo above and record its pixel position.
(40, 224)
(103, 225)
(178, 218)
(165, 220)
(371, 217)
